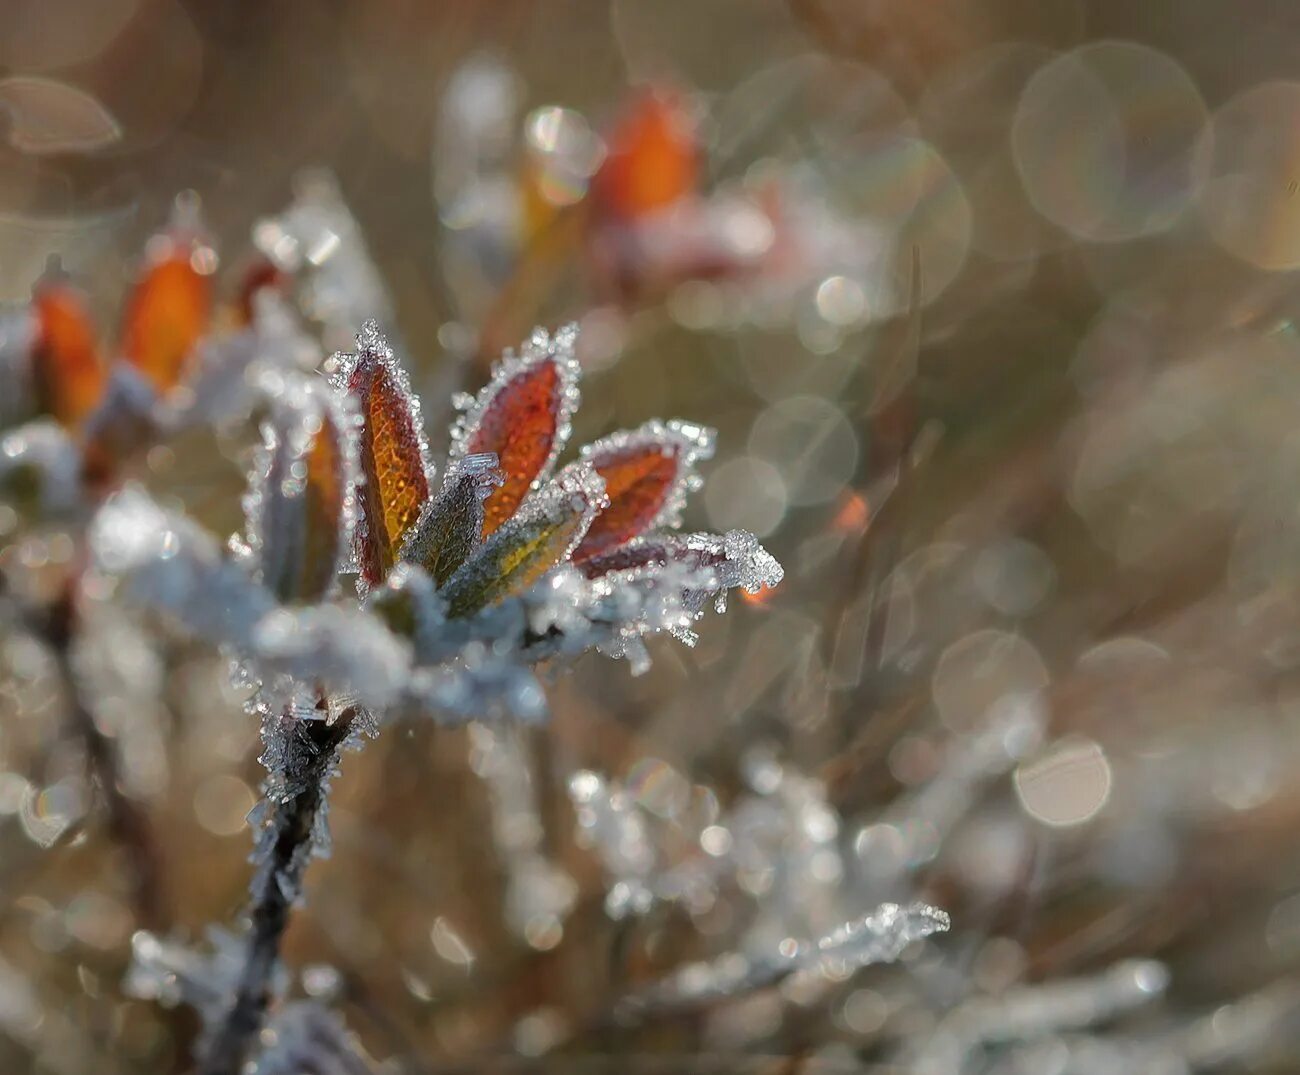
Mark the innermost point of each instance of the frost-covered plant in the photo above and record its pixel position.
(464, 584)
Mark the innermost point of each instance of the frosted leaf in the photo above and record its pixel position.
(482, 688)
(539, 538)
(647, 473)
(524, 415)
(734, 559)
(317, 240)
(920, 821)
(301, 503)
(408, 604)
(342, 647)
(1066, 1003)
(1240, 1030)
(164, 562)
(305, 1037)
(393, 457)
(40, 469)
(449, 527)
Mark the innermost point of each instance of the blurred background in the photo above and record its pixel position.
(994, 307)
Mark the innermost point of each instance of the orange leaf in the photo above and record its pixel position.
(652, 159)
(300, 527)
(647, 474)
(68, 375)
(166, 314)
(325, 498)
(523, 416)
(395, 482)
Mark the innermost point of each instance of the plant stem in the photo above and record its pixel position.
(313, 754)
(127, 824)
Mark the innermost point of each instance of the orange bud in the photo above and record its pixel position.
(66, 370)
(652, 159)
(166, 314)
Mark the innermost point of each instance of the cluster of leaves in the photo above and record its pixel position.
(462, 585)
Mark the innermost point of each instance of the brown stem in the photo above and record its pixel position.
(312, 754)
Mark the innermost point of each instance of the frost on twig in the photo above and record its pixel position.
(879, 937)
(1036, 1011)
(301, 756)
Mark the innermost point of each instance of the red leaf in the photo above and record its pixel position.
(650, 552)
(647, 474)
(260, 275)
(392, 454)
(523, 416)
(68, 375)
(165, 315)
(652, 159)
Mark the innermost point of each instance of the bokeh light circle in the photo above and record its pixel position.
(1104, 139)
(1249, 159)
(746, 493)
(807, 108)
(982, 672)
(1065, 786)
(811, 443)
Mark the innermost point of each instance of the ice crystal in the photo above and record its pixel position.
(172, 973)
